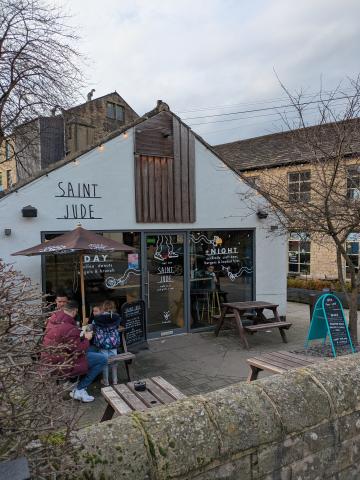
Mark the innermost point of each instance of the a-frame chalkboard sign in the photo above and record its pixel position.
(328, 319)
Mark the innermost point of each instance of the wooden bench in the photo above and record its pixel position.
(278, 362)
(237, 311)
(125, 357)
(268, 326)
(123, 398)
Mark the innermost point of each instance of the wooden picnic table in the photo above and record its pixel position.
(278, 362)
(123, 398)
(237, 310)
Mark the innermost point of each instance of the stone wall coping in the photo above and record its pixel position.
(191, 436)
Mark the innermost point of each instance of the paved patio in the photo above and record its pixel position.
(200, 362)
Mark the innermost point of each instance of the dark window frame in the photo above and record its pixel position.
(115, 111)
(303, 249)
(353, 183)
(352, 240)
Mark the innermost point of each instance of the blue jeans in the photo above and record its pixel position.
(109, 353)
(97, 362)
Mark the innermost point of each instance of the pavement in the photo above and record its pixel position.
(200, 362)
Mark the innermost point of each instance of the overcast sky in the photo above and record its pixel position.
(202, 54)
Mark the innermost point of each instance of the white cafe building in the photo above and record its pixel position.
(157, 186)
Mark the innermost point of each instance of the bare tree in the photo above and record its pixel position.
(35, 419)
(39, 66)
(325, 158)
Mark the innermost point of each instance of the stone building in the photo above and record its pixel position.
(46, 140)
(289, 157)
(7, 166)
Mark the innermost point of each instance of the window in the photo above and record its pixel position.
(113, 276)
(117, 112)
(353, 183)
(299, 253)
(1, 183)
(352, 249)
(221, 270)
(299, 186)
(8, 179)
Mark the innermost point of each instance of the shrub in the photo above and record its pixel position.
(312, 284)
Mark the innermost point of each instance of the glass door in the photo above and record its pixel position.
(164, 283)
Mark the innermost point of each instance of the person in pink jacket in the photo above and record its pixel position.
(66, 348)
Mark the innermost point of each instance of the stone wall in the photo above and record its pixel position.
(322, 250)
(302, 425)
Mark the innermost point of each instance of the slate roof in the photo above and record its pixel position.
(291, 147)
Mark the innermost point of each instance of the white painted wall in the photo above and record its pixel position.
(218, 206)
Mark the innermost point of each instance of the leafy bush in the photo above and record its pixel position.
(311, 284)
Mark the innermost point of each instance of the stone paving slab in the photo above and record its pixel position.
(200, 362)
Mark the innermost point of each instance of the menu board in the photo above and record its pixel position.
(328, 319)
(133, 315)
(335, 318)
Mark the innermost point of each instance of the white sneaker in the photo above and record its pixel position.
(81, 395)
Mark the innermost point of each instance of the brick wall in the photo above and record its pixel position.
(304, 424)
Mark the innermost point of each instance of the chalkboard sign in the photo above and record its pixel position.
(328, 319)
(133, 315)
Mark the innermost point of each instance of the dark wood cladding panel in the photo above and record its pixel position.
(177, 172)
(165, 185)
(192, 190)
(170, 191)
(151, 180)
(184, 148)
(154, 137)
(139, 190)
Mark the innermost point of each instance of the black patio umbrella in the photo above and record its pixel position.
(82, 242)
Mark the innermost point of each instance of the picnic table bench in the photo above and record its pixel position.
(125, 356)
(123, 398)
(278, 362)
(239, 310)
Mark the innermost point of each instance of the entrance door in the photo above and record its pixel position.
(164, 284)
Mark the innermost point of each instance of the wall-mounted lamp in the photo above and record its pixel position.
(76, 162)
(29, 211)
(101, 148)
(262, 214)
(7, 232)
(125, 134)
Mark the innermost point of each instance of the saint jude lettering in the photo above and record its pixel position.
(82, 191)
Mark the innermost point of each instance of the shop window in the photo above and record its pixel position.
(114, 276)
(114, 111)
(299, 253)
(353, 183)
(221, 270)
(299, 185)
(352, 249)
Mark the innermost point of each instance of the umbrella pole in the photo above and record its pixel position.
(82, 288)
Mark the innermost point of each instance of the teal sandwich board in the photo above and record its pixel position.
(328, 319)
